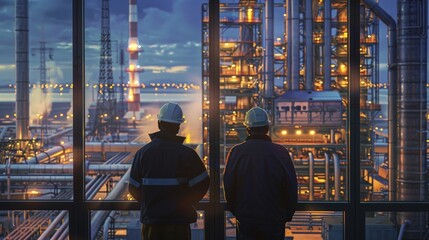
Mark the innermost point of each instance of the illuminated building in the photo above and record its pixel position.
(309, 68)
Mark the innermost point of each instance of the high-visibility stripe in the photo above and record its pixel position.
(198, 179)
(162, 181)
(134, 182)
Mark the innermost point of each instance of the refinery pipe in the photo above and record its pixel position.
(311, 175)
(118, 191)
(48, 232)
(337, 178)
(326, 176)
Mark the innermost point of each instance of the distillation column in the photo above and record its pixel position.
(412, 110)
(22, 68)
(327, 46)
(293, 44)
(269, 57)
(309, 75)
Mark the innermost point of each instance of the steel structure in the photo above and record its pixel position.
(122, 108)
(105, 120)
(241, 61)
(44, 83)
(308, 55)
(412, 166)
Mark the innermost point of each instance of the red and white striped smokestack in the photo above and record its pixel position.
(134, 68)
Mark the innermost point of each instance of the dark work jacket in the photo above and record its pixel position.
(260, 182)
(168, 179)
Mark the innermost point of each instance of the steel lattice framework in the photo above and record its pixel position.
(104, 120)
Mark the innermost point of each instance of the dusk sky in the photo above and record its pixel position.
(169, 32)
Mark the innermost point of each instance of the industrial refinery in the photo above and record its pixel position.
(290, 57)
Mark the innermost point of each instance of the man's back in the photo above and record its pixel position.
(168, 179)
(167, 170)
(260, 182)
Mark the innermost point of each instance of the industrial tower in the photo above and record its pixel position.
(122, 108)
(134, 68)
(105, 121)
(44, 84)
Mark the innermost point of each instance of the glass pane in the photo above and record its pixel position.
(296, 68)
(304, 226)
(126, 225)
(29, 224)
(35, 100)
(394, 103)
(395, 225)
(133, 66)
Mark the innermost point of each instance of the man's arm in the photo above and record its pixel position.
(199, 180)
(229, 183)
(292, 187)
(134, 185)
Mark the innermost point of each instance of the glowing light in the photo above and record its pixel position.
(312, 132)
(133, 47)
(284, 132)
(298, 132)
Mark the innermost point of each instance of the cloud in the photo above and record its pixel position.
(7, 66)
(177, 69)
(65, 45)
(164, 69)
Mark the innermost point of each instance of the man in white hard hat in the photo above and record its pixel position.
(260, 182)
(168, 179)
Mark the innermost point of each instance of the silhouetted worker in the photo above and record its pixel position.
(168, 179)
(260, 182)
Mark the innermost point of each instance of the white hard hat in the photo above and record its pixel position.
(256, 117)
(171, 112)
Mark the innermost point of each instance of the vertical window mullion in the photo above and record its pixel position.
(215, 226)
(79, 218)
(354, 220)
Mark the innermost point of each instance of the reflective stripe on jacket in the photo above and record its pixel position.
(260, 182)
(168, 179)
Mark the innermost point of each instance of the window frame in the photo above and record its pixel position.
(79, 208)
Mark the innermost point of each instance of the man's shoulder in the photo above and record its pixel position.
(146, 147)
(240, 145)
(279, 146)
